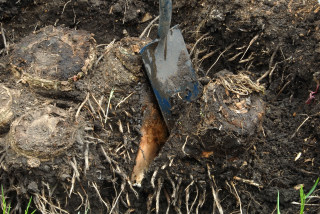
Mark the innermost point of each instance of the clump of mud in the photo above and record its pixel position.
(122, 63)
(6, 114)
(43, 133)
(53, 58)
(232, 103)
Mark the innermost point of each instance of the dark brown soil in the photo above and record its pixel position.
(227, 152)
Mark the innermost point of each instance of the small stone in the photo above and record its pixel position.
(33, 162)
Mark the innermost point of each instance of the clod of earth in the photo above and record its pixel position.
(42, 134)
(6, 114)
(51, 59)
(230, 111)
(230, 104)
(122, 65)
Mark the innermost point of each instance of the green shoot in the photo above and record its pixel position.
(5, 208)
(85, 211)
(303, 196)
(278, 203)
(27, 210)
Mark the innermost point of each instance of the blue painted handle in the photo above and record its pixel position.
(165, 10)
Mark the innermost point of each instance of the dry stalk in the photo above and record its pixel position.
(214, 193)
(81, 201)
(299, 127)
(187, 197)
(202, 199)
(225, 50)
(128, 199)
(272, 68)
(178, 206)
(2, 157)
(129, 157)
(130, 210)
(118, 171)
(195, 199)
(95, 139)
(234, 57)
(64, 6)
(82, 104)
(240, 84)
(306, 204)
(246, 181)
(174, 191)
(250, 57)
(6, 46)
(123, 100)
(237, 196)
(76, 174)
(99, 105)
(86, 157)
(92, 109)
(154, 175)
(108, 106)
(168, 200)
(148, 26)
(100, 109)
(128, 127)
(160, 183)
(281, 90)
(198, 63)
(154, 25)
(269, 72)
(120, 126)
(176, 198)
(197, 42)
(187, 190)
(250, 43)
(107, 49)
(109, 160)
(42, 202)
(149, 202)
(106, 203)
(118, 148)
(184, 145)
(115, 202)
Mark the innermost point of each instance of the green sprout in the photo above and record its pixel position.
(278, 203)
(27, 210)
(6, 207)
(303, 196)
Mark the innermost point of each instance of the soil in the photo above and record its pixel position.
(249, 134)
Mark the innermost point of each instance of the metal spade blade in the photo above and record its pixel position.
(168, 66)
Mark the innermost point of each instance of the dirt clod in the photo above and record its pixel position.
(43, 133)
(51, 59)
(6, 114)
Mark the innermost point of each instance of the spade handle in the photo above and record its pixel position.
(165, 10)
